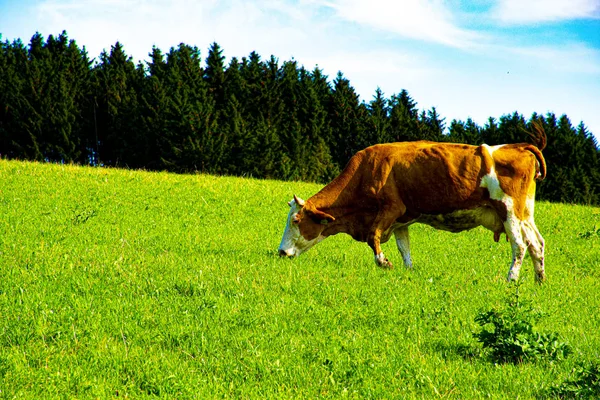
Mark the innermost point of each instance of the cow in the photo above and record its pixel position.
(454, 187)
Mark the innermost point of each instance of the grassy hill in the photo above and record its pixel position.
(133, 284)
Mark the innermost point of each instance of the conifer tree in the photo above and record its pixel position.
(153, 108)
(240, 143)
(490, 133)
(33, 101)
(457, 132)
(291, 132)
(378, 129)
(17, 138)
(317, 164)
(65, 136)
(118, 83)
(431, 125)
(512, 129)
(214, 75)
(403, 118)
(472, 133)
(193, 142)
(347, 118)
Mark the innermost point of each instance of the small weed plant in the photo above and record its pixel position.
(584, 385)
(509, 334)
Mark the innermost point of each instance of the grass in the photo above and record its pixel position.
(120, 283)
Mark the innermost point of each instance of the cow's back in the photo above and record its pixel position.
(429, 177)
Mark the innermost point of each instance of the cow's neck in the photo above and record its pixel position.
(337, 195)
(338, 199)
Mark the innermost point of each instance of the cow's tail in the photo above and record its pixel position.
(541, 173)
(538, 137)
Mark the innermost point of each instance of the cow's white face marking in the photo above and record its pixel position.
(293, 243)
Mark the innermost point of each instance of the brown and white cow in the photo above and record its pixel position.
(454, 187)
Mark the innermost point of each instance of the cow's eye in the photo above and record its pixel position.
(295, 219)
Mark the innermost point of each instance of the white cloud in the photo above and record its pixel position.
(384, 68)
(267, 26)
(138, 25)
(573, 58)
(531, 11)
(428, 20)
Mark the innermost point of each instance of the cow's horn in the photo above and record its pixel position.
(299, 201)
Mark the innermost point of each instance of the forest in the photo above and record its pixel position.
(252, 116)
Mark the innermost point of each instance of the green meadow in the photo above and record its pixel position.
(117, 283)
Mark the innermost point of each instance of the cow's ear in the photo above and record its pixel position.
(299, 201)
(321, 217)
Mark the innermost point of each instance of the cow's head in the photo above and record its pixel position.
(304, 228)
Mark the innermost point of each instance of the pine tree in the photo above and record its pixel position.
(431, 126)
(65, 136)
(240, 143)
(291, 127)
(378, 130)
(473, 133)
(192, 141)
(403, 118)
(347, 118)
(33, 102)
(17, 138)
(490, 133)
(512, 129)
(243, 152)
(214, 76)
(317, 164)
(457, 132)
(118, 83)
(465, 132)
(153, 108)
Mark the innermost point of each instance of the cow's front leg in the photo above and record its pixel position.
(381, 260)
(388, 213)
(403, 243)
(374, 241)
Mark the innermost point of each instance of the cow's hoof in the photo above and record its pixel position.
(540, 277)
(383, 262)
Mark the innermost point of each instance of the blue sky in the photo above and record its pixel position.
(477, 58)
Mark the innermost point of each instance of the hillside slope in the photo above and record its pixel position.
(128, 283)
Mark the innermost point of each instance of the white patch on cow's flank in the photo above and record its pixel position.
(492, 149)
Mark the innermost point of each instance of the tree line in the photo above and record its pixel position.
(251, 117)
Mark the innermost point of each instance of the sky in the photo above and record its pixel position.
(467, 58)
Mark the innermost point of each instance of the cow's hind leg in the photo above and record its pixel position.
(403, 243)
(513, 227)
(535, 246)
